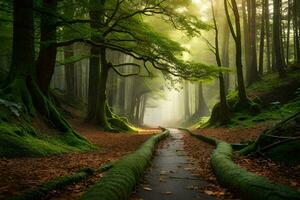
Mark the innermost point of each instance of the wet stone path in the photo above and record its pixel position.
(169, 175)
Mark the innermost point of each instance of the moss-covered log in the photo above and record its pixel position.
(59, 183)
(124, 176)
(248, 185)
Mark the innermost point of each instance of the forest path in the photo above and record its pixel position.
(169, 176)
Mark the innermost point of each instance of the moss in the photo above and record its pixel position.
(59, 183)
(247, 184)
(18, 140)
(17, 135)
(119, 182)
(118, 123)
(287, 153)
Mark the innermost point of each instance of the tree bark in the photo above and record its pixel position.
(252, 68)
(47, 55)
(279, 63)
(288, 33)
(267, 17)
(69, 72)
(262, 39)
(225, 56)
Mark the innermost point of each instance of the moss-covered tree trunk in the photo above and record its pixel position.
(23, 86)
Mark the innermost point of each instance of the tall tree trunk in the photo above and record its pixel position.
(47, 56)
(225, 56)
(22, 65)
(203, 109)
(97, 18)
(252, 70)
(296, 24)
(187, 112)
(267, 17)
(243, 100)
(100, 115)
(224, 107)
(262, 39)
(69, 72)
(288, 33)
(277, 40)
(246, 32)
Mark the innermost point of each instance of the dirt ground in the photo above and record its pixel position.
(21, 174)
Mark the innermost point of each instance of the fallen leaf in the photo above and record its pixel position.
(147, 189)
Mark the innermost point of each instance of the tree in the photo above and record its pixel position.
(224, 106)
(236, 34)
(252, 68)
(279, 63)
(262, 38)
(268, 34)
(125, 31)
(24, 85)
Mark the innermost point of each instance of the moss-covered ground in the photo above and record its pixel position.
(272, 99)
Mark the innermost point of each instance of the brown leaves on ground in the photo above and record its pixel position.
(199, 154)
(274, 172)
(20, 174)
(234, 135)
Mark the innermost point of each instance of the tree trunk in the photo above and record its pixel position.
(267, 17)
(101, 103)
(225, 56)
(203, 109)
(246, 33)
(288, 33)
(279, 64)
(262, 39)
(224, 106)
(252, 68)
(296, 23)
(69, 72)
(243, 100)
(187, 112)
(47, 56)
(97, 18)
(22, 65)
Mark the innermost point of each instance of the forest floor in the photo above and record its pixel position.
(23, 174)
(200, 152)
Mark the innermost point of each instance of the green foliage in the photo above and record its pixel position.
(119, 182)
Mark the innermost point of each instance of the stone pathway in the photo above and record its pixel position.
(169, 176)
